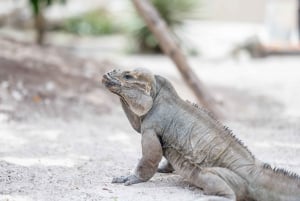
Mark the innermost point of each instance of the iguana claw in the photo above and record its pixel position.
(127, 180)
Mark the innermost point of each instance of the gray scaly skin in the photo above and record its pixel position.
(194, 144)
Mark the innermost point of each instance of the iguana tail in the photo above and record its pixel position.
(275, 184)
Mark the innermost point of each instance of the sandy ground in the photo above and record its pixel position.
(63, 137)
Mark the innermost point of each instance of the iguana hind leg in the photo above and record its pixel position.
(219, 184)
(215, 188)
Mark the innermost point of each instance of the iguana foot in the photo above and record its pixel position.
(214, 198)
(163, 170)
(127, 180)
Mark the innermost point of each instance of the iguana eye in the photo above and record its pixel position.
(128, 77)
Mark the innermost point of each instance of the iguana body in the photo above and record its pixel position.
(197, 146)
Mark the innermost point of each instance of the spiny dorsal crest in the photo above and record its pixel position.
(226, 130)
(281, 171)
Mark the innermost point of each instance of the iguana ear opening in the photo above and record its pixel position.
(139, 101)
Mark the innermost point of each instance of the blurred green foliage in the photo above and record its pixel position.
(101, 22)
(40, 25)
(174, 12)
(38, 5)
(97, 22)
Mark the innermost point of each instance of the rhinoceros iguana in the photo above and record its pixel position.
(195, 145)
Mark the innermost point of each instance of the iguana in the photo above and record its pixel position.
(195, 145)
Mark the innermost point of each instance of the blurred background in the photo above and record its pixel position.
(63, 136)
(104, 28)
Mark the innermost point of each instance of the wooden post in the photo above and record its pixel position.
(170, 47)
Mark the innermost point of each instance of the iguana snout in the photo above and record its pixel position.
(136, 88)
(111, 81)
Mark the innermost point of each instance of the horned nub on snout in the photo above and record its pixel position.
(136, 88)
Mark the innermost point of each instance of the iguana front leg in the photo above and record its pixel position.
(147, 166)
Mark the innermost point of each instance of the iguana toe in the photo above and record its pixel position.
(127, 180)
(121, 179)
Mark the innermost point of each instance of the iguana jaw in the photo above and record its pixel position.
(111, 83)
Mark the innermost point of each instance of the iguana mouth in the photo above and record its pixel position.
(113, 85)
(109, 81)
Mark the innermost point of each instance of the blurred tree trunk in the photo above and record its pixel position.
(298, 20)
(40, 27)
(170, 47)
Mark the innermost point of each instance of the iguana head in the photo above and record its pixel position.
(136, 88)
